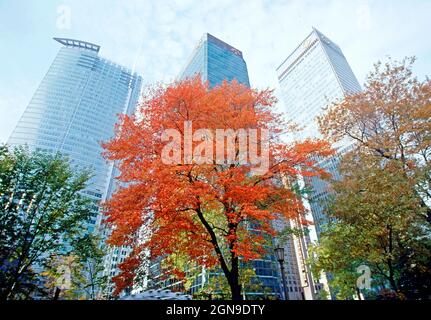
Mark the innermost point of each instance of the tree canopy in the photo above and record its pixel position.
(203, 211)
(380, 213)
(42, 214)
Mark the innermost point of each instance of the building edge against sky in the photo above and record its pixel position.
(75, 108)
(216, 61)
(313, 76)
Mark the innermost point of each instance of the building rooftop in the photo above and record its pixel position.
(222, 44)
(78, 44)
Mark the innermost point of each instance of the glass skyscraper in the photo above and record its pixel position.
(75, 108)
(215, 61)
(312, 77)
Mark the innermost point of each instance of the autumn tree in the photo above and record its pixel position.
(202, 209)
(42, 213)
(376, 221)
(389, 119)
(381, 209)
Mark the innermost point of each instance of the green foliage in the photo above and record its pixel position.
(42, 214)
(88, 273)
(381, 208)
(378, 221)
(82, 268)
(286, 233)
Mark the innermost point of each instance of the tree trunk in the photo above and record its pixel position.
(233, 279)
(235, 289)
(423, 204)
(392, 281)
(358, 292)
(231, 275)
(7, 292)
(389, 261)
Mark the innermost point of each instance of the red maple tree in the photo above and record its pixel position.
(202, 211)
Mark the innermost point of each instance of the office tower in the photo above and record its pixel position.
(75, 108)
(216, 61)
(312, 77)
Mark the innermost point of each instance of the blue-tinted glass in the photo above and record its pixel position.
(216, 61)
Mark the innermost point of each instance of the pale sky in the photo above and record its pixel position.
(157, 36)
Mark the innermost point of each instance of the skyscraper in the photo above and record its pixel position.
(312, 77)
(216, 61)
(75, 108)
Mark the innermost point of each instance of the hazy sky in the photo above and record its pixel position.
(158, 36)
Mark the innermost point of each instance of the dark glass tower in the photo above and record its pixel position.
(216, 61)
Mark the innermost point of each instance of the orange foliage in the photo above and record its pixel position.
(181, 204)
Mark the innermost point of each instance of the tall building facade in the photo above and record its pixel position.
(312, 77)
(297, 278)
(75, 108)
(315, 75)
(216, 61)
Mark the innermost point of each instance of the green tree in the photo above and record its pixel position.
(90, 280)
(82, 269)
(42, 213)
(382, 203)
(377, 221)
(217, 287)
